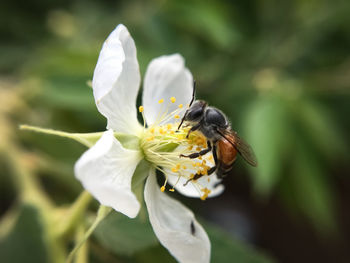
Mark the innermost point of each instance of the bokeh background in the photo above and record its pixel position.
(280, 70)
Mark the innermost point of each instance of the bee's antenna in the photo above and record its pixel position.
(193, 95)
(194, 92)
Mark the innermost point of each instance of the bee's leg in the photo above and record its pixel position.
(213, 169)
(197, 154)
(195, 177)
(194, 128)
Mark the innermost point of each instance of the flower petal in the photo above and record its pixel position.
(116, 82)
(191, 190)
(175, 225)
(166, 77)
(106, 169)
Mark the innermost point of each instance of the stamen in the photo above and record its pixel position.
(180, 106)
(172, 99)
(172, 190)
(141, 108)
(160, 101)
(177, 116)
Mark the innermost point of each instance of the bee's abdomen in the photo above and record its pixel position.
(226, 154)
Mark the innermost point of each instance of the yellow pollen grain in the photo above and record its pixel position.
(198, 164)
(172, 190)
(190, 147)
(169, 126)
(184, 167)
(178, 166)
(160, 101)
(141, 108)
(150, 138)
(161, 130)
(162, 188)
(180, 106)
(177, 116)
(174, 170)
(191, 176)
(204, 162)
(173, 99)
(152, 130)
(198, 149)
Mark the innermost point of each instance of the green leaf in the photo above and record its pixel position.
(25, 242)
(125, 236)
(313, 192)
(320, 129)
(266, 131)
(226, 249)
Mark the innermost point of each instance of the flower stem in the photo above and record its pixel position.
(74, 214)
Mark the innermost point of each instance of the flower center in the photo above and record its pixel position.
(163, 144)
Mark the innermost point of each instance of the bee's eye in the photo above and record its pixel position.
(194, 114)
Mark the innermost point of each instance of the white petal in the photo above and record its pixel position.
(116, 81)
(106, 169)
(166, 77)
(192, 190)
(175, 225)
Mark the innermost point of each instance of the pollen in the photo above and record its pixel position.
(172, 190)
(172, 99)
(180, 106)
(141, 109)
(206, 193)
(174, 169)
(162, 188)
(177, 116)
(160, 101)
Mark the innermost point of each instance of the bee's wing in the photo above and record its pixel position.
(242, 147)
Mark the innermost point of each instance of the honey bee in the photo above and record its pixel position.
(221, 139)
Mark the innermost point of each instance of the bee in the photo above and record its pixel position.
(222, 141)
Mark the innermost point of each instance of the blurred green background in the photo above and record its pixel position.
(279, 69)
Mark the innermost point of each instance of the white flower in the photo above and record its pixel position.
(107, 168)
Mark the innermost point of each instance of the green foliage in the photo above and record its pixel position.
(25, 242)
(125, 236)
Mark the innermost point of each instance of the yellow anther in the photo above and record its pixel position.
(162, 188)
(141, 108)
(151, 138)
(208, 180)
(200, 157)
(172, 190)
(190, 147)
(169, 126)
(206, 192)
(160, 101)
(174, 169)
(204, 162)
(152, 130)
(180, 106)
(184, 167)
(191, 176)
(178, 166)
(177, 116)
(161, 130)
(198, 149)
(198, 164)
(173, 99)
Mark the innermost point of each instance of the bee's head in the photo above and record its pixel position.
(196, 112)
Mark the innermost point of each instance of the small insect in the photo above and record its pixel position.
(221, 139)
